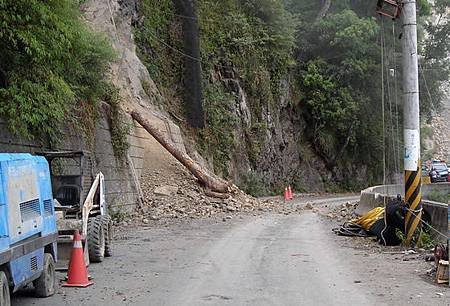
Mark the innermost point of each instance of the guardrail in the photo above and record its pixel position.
(438, 212)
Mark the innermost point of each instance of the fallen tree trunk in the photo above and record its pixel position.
(218, 195)
(208, 179)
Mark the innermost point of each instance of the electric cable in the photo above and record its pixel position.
(397, 156)
(426, 223)
(384, 136)
(391, 124)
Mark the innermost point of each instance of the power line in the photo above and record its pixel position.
(397, 156)
(181, 53)
(426, 223)
(173, 48)
(186, 17)
(384, 125)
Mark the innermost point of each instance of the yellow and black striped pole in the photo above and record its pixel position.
(413, 196)
(411, 125)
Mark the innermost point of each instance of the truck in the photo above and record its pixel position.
(28, 230)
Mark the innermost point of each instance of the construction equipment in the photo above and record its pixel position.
(81, 205)
(27, 226)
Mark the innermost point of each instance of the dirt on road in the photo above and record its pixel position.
(267, 259)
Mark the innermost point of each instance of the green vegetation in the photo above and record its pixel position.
(217, 139)
(332, 67)
(339, 76)
(248, 40)
(338, 58)
(439, 197)
(425, 240)
(253, 183)
(52, 67)
(252, 38)
(434, 68)
(158, 31)
(117, 211)
(118, 126)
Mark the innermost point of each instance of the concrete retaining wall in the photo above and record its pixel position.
(121, 189)
(438, 212)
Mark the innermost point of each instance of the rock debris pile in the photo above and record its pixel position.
(179, 196)
(344, 212)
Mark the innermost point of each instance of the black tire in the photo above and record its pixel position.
(108, 229)
(5, 298)
(96, 239)
(45, 285)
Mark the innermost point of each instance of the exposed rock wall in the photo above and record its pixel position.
(114, 18)
(437, 145)
(441, 127)
(278, 154)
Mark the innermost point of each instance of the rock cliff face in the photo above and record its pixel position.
(442, 132)
(278, 153)
(270, 156)
(114, 18)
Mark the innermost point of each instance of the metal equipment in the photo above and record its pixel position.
(81, 205)
(389, 8)
(27, 226)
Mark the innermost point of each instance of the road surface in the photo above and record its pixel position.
(270, 259)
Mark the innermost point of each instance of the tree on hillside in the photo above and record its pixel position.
(52, 67)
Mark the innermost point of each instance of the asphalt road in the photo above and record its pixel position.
(249, 260)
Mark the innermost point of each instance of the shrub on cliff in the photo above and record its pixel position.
(52, 66)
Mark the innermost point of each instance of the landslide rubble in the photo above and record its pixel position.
(177, 195)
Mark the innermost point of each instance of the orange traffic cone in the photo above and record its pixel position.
(286, 194)
(291, 195)
(77, 276)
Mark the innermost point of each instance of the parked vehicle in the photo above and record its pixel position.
(28, 233)
(81, 205)
(439, 172)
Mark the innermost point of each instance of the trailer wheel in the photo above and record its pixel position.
(4, 290)
(96, 239)
(107, 227)
(45, 285)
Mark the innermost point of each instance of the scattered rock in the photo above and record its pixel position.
(171, 194)
(166, 190)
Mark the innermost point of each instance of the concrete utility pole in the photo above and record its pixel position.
(411, 126)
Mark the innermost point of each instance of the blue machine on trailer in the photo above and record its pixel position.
(28, 230)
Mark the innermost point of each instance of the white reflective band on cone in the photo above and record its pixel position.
(77, 245)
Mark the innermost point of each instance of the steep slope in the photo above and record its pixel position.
(254, 135)
(168, 189)
(441, 135)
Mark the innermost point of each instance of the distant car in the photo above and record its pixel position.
(439, 172)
